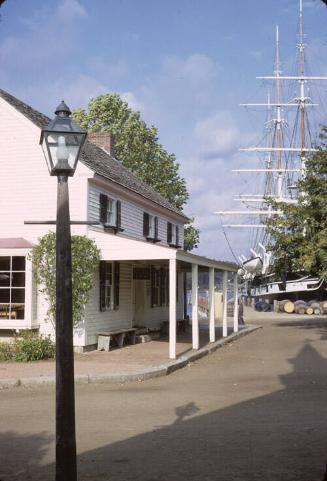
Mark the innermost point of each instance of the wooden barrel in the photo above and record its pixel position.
(286, 306)
(300, 307)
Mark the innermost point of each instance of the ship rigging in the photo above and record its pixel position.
(283, 154)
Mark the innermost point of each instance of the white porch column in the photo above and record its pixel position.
(172, 308)
(235, 303)
(195, 320)
(212, 336)
(225, 277)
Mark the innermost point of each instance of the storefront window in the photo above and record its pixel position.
(12, 287)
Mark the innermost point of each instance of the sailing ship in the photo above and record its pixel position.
(282, 155)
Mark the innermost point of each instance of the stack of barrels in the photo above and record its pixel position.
(303, 307)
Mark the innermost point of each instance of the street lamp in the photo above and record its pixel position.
(62, 141)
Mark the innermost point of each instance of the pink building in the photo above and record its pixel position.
(141, 279)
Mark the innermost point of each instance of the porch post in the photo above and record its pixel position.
(235, 303)
(172, 308)
(225, 277)
(212, 304)
(195, 320)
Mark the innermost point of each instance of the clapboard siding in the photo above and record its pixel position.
(131, 216)
(111, 319)
(28, 192)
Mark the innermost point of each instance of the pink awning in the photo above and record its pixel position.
(15, 243)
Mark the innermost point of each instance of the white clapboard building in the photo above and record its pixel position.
(140, 281)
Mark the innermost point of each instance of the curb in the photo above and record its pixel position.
(143, 375)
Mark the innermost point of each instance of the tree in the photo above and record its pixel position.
(85, 260)
(138, 147)
(299, 237)
(191, 236)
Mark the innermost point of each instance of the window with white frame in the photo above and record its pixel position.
(12, 287)
(150, 227)
(159, 287)
(110, 212)
(173, 234)
(109, 285)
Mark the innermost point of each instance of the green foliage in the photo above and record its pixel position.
(138, 147)
(7, 352)
(85, 260)
(29, 346)
(299, 238)
(191, 236)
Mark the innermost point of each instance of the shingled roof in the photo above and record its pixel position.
(97, 159)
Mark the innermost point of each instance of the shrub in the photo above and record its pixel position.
(31, 346)
(7, 352)
(85, 260)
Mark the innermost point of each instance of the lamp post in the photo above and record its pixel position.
(62, 141)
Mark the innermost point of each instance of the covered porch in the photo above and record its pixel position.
(174, 264)
(202, 330)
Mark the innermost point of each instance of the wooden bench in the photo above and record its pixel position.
(119, 336)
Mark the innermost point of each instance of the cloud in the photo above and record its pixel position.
(133, 102)
(42, 47)
(216, 135)
(76, 90)
(70, 9)
(181, 90)
(197, 69)
(105, 67)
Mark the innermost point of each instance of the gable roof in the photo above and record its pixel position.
(97, 159)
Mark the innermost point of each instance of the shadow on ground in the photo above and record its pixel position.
(280, 436)
(320, 325)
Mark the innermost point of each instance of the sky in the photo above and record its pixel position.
(186, 65)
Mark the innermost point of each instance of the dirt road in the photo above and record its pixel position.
(254, 410)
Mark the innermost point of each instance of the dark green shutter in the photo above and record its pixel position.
(102, 285)
(156, 228)
(116, 284)
(146, 224)
(177, 235)
(103, 208)
(118, 214)
(169, 232)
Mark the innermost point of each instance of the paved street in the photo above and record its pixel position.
(254, 410)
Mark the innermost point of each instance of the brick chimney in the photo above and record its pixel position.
(104, 140)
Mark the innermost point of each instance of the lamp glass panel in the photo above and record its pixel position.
(63, 149)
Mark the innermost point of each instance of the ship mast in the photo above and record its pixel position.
(278, 119)
(302, 99)
(276, 166)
